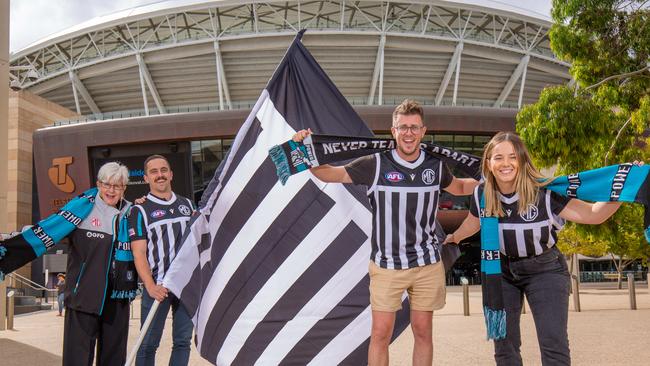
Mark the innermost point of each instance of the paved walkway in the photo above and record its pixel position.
(606, 332)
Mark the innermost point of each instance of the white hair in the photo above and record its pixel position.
(113, 173)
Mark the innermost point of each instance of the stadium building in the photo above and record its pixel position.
(179, 78)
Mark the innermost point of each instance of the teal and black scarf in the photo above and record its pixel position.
(32, 243)
(624, 182)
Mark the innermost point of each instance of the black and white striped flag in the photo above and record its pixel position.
(277, 274)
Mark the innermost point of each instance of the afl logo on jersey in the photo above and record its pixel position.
(184, 210)
(394, 177)
(428, 176)
(530, 214)
(158, 214)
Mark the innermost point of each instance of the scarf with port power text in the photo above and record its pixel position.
(33, 242)
(623, 182)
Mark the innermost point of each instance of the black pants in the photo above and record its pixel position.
(545, 281)
(109, 331)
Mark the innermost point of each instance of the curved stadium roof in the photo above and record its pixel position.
(173, 55)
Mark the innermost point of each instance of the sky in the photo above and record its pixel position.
(32, 20)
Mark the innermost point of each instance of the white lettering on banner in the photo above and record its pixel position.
(123, 245)
(327, 149)
(619, 181)
(458, 156)
(334, 147)
(42, 236)
(574, 184)
(70, 217)
(490, 255)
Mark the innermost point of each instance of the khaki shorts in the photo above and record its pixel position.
(425, 286)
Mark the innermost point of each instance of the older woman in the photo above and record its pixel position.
(94, 314)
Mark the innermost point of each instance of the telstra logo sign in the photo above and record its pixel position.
(58, 174)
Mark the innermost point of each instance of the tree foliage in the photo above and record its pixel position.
(566, 130)
(623, 234)
(602, 118)
(571, 241)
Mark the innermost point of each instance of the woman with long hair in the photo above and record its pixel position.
(529, 218)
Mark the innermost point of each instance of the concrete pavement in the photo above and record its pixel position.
(606, 332)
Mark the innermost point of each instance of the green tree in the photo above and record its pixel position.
(572, 241)
(604, 117)
(607, 111)
(624, 239)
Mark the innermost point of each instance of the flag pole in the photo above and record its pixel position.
(143, 331)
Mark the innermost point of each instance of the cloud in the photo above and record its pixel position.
(32, 20)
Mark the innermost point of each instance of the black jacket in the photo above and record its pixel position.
(92, 245)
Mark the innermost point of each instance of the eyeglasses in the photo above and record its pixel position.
(405, 129)
(115, 187)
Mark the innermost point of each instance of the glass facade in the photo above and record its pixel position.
(206, 157)
(472, 144)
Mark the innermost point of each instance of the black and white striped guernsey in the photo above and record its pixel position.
(161, 223)
(530, 233)
(404, 199)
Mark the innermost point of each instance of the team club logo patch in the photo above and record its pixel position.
(158, 214)
(184, 210)
(95, 222)
(428, 176)
(530, 214)
(394, 177)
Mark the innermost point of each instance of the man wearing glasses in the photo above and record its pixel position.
(403, 188)
(155, 230)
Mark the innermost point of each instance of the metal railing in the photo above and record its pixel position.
(239, 105)
(46, 293)
(605, 276)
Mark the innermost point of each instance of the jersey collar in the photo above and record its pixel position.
(509, 200)
(405, 163)
(161, 201)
